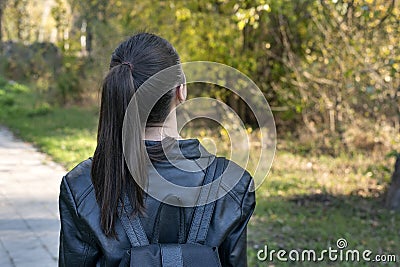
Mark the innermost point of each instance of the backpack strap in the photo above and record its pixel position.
(132, 225)
(202, 214)
(180, 220)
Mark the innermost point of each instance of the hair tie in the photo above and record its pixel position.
(128, 64)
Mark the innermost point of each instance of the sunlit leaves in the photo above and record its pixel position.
(250, 16)
(321, 63)
(182, 14)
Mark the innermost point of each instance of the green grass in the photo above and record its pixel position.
(306, 202)
(67, 134)
(310, 207)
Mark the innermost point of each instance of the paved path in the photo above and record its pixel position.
(29, 220)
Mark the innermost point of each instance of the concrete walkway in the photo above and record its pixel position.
(29, 219)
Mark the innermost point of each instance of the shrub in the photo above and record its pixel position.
(67, 86)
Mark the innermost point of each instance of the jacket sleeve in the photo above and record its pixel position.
(234, 248)
(76, 246)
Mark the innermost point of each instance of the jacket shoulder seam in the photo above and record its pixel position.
(231, 193)
(68, 188)
(84, 194)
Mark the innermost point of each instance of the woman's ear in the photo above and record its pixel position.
(181, 93)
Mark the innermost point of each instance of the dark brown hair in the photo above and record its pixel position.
(132, 63)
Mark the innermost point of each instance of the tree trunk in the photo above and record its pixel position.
(393, 194)
(89, 39)
(1, 26)
(2, 6)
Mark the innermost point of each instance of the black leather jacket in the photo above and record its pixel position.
(83, 243)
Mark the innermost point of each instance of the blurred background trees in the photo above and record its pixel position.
(330, 69)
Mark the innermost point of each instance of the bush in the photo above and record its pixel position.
(27, 62)
(3, 82)
(38, 63)
(6, 100)
(67, 86)
(42, 110)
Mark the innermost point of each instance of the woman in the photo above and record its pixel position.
(91, 232)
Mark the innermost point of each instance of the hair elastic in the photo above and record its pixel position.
(128, 64)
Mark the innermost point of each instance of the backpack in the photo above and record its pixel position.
(191, 252)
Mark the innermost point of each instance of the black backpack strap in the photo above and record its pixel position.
(179, 219)
(132, 225)
(203, 214)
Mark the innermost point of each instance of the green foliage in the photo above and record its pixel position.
(3, 82)
(60, 15)
(17, 19)
(37, 62)
(9, 92)
(41, 110)
(393, 154)
(326, 67)
(67, 85)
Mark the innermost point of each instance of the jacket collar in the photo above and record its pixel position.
(176, 149)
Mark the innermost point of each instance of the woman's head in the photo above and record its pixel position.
(144, 56)
(133, 62)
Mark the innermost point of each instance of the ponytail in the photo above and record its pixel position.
(110, 175)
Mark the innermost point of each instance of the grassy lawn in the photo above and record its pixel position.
(68, 135)
(307, 202)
